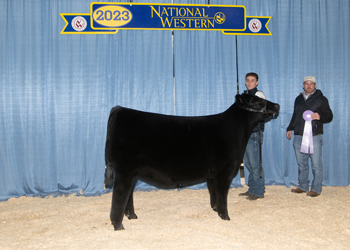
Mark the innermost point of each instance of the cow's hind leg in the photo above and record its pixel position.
(212, 193)
(121, 193)
(109, 171)
(109, 176)
(129, 210)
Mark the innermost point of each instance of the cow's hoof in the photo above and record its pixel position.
(118, 227)
(132, 216)
(224, 216)
(214, 208)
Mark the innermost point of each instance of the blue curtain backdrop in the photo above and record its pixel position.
(57, 90)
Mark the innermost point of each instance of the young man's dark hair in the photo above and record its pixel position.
(252, 74)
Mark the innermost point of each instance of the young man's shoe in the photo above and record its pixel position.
(253, 197)
(244, 194)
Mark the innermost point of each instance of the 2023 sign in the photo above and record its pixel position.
(112, 16)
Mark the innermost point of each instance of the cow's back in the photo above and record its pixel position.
(173, 147)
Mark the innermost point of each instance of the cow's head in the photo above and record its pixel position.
(257, 104)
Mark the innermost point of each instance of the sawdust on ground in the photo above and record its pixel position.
(180, 220)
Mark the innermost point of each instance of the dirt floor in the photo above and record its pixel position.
(180, 220)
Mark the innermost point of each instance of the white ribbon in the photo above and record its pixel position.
(307, 141)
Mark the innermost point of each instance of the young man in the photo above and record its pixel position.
(316, 104)
(251, 157)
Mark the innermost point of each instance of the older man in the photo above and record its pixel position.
(312, 106)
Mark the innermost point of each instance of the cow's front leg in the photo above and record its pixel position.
(121, 193)
(222, 207)
(212, 193)
(222, 185)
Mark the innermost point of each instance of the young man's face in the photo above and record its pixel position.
(309, 87)
(251, 82)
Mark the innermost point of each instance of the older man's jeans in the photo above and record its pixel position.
(251, 162)
(303, 163)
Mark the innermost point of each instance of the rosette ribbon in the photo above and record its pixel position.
(307, 141)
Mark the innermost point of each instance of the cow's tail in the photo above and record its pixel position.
(109, 172)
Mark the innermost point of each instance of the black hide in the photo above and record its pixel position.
(170, 151)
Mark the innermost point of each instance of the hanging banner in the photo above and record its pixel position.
(108, 18)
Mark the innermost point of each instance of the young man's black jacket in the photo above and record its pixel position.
(261, 125)
(317, 103)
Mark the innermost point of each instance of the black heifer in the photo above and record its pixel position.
(169, 151)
